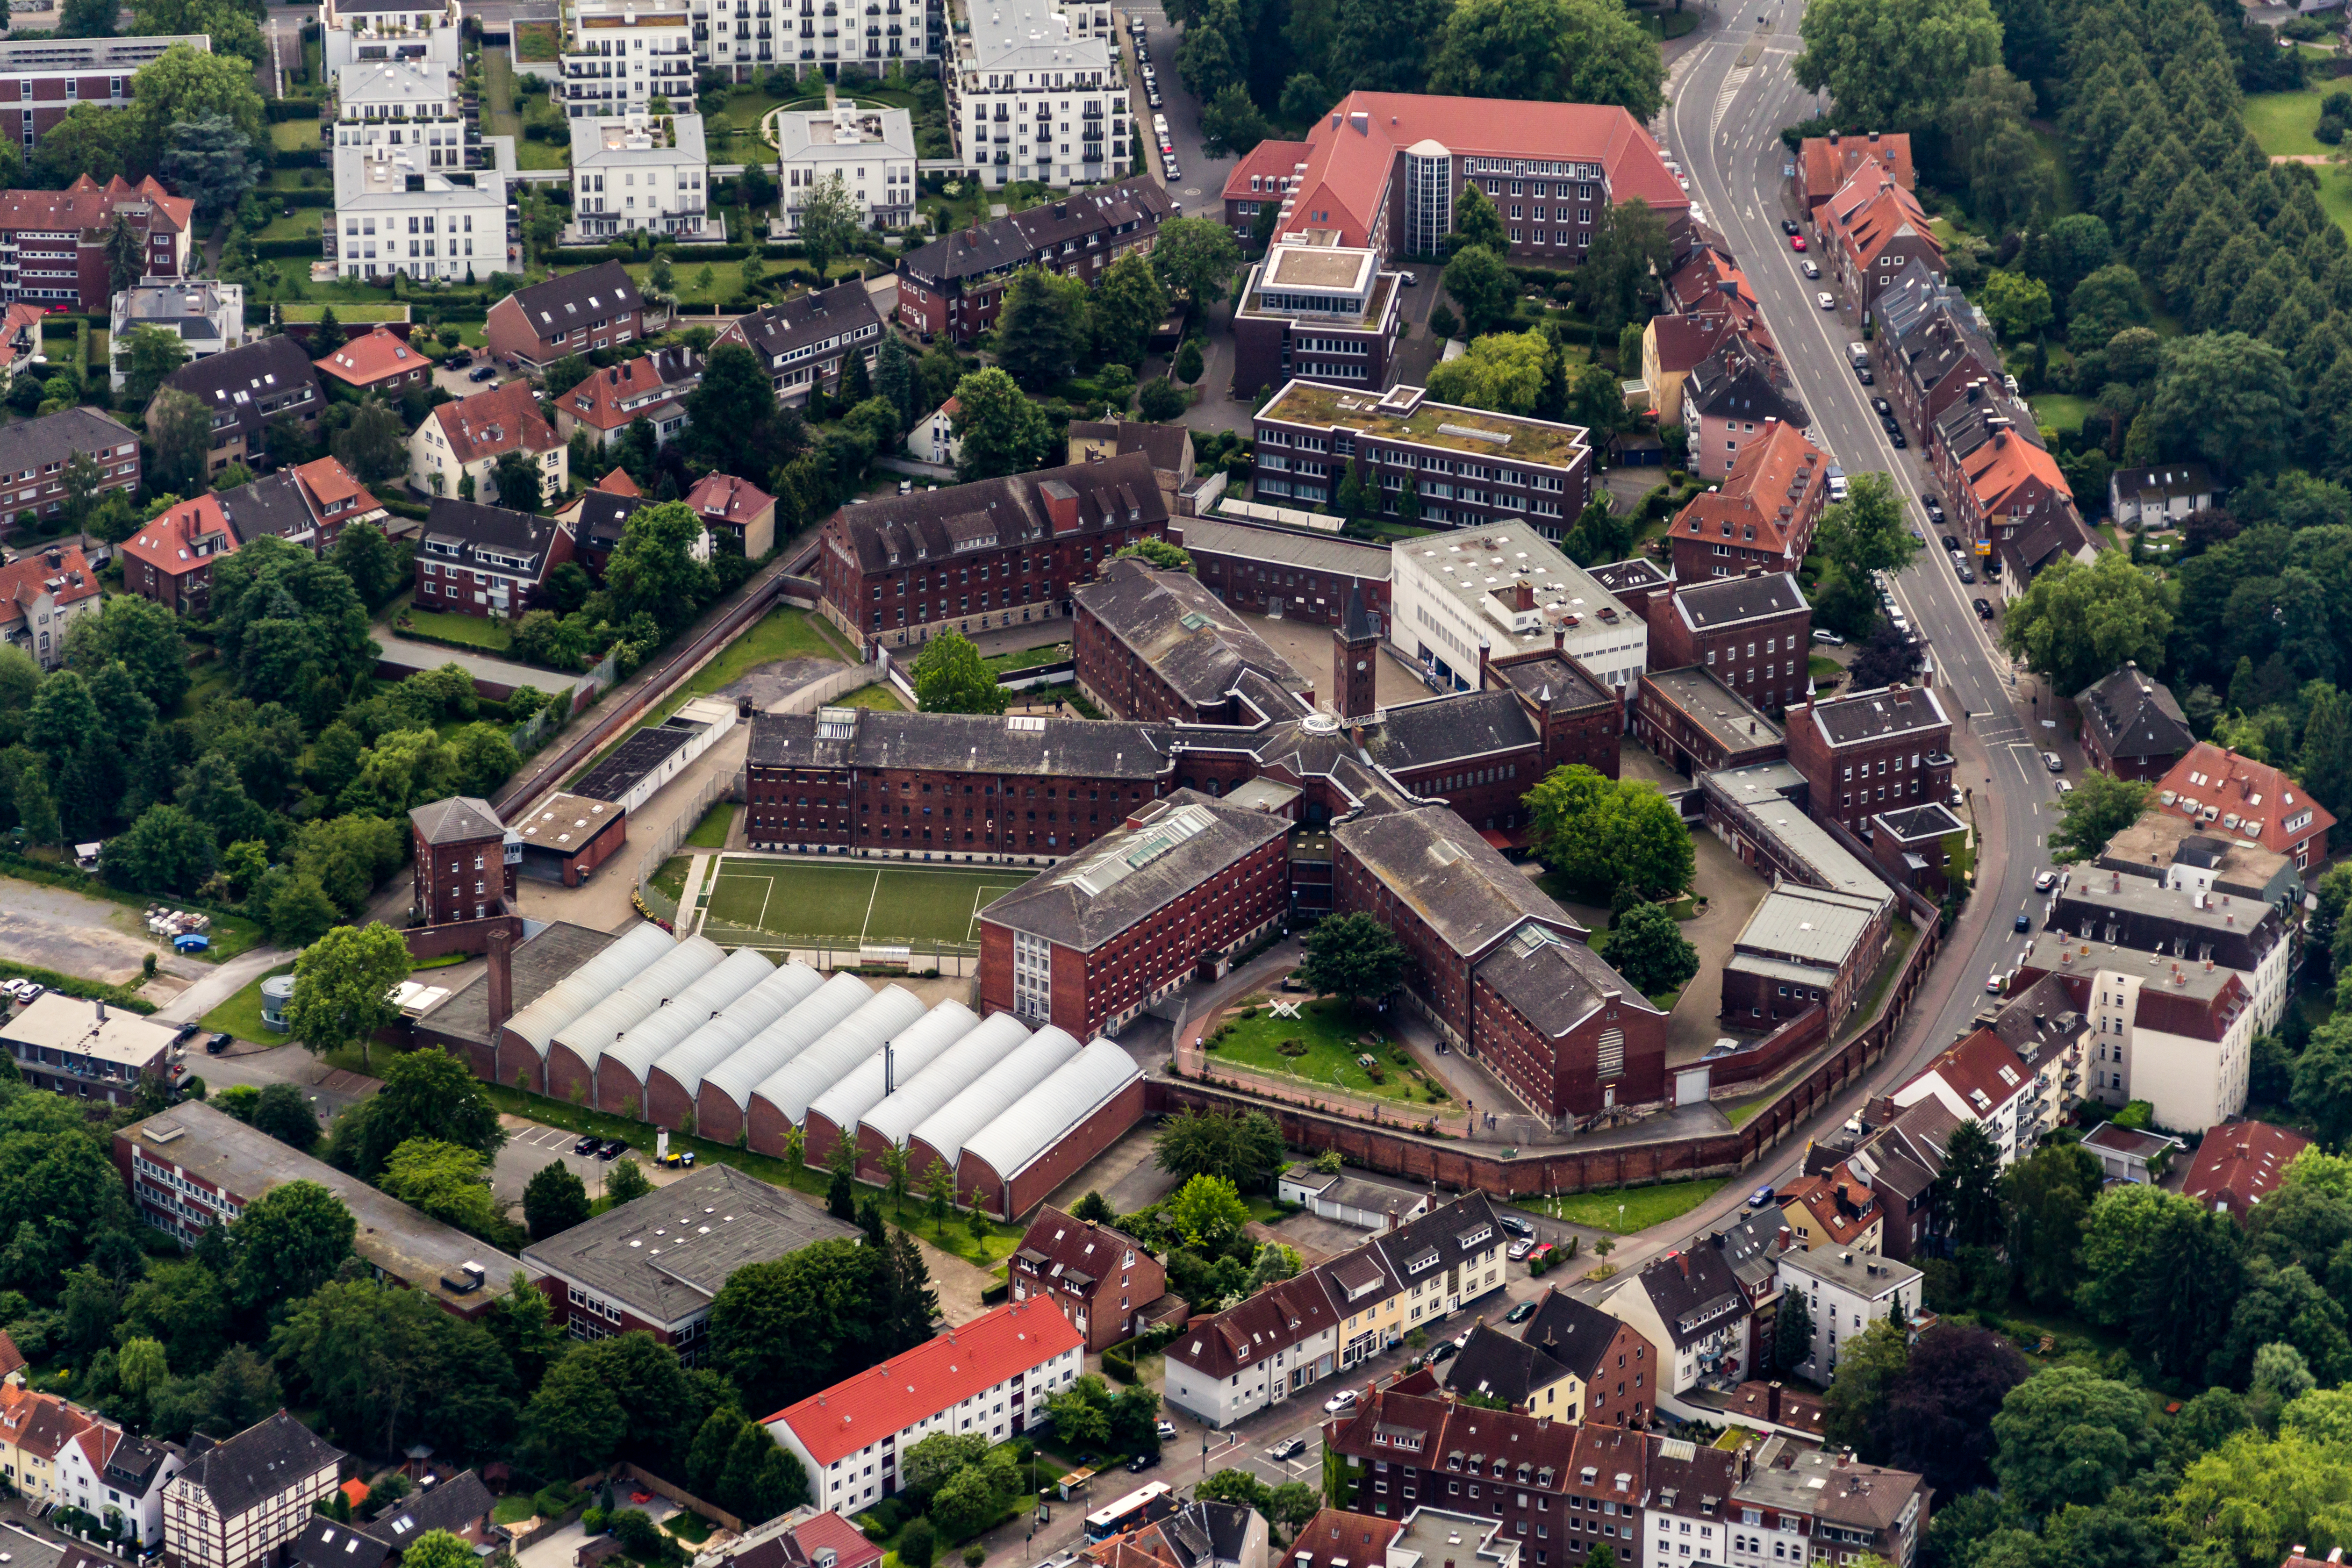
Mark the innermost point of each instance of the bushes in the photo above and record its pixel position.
(554, 1498)
(1118, 1360)
(917, 1544)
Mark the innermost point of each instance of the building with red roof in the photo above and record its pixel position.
(988, 1378)
(798, 1541)
(2239, 1165)
(2271, 808)
(380, 361)
(735, 512)
(169, 558)
(1834, 1208)
(1381, 170)
(652, 387)
(1763, 516)
(465, 440)
(1824, 164)
(74, 271)
(308, 506)
(1875, 227)
(1977, 1078)
(42, 593)
(1264, 177)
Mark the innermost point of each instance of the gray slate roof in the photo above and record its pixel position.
(1556, 982)
(927, 526)
(458, 820)
(1181, 631)
(1728, 601)
(471, 526)
(602, 514)
(539, 964)
(1878, 714)
(273, 1453)
(573, 299)
(1125, 876)
(324, 1543)
(2132, 715)
(1695, 1292)
(1500, 1367)
(251, 383)
(1554, 683)
(662, 1258)
(273, 504)
(1470, 895)
(1294, 547)
(974, 743)
(35, 443)
(453, 1505)
(1571, 1333)
(1452, 1235)
(1017, 238)
(1449, 729)
(810, 317)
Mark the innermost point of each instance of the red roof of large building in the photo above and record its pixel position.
(180, 540)
(1334, 1539)
(87, 204)
(2240, 1163)
(935, 1375)
(1272, 165)
(1770, 488)
(1831, 161)
(489, 424)
(381, 357)
(1979, 1071)
(24, 579)
(1871, 211)
(2280, 812)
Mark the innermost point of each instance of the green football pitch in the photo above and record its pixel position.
(848, 905)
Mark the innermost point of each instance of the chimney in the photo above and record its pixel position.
(1755, 571)
(1558, 638)
(1833, 138)
(1772, 1401)
(1061, 505)
(1392, 1217)
(101, 1003)
(501, 979)
(1361, 121)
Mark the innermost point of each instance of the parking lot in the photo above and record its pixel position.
(530, 1148)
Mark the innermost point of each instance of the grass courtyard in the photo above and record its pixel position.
(2287, 123)
(1333, 1042)
(480, 632)
(1622, 1211)
(847, 905)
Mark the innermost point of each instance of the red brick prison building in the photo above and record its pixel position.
(1869, 751)
(1499, 968)
(1690, 719)
(1158, 646)
(1289, 572)
(1748, 631)
(1093, 942)
(997, 552)
(956, 284)
(462, 869)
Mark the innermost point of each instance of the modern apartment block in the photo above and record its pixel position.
(1036, 93)
(641, 172)
(205, 316)
(955, 284)
(621, 55)
(1461, 601)
(417, 32)
(871, 149)
(1432, 462)
(43, 79)
(411, 208)
(1317, 313)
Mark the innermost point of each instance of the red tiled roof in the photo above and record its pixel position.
(850, 1547)
(2254, 792)
(40, 1424)
(2240, 1163)
(85, 205)
(1830, 162)
(333, 492)
(1981, 1063)
(935, 1375)
(382, 356)
(1757, 492)
(618, 483)
(22, 581)
(1336, 1538)
(1688, 340)
(1820, 1195)
(1998, 469)
(722, 498)
(603, 402)
(168, 544)
(12, 1360)
(1712, 278)
(1872, 210)
(489, 424)
(1268, 160)
(19, 320)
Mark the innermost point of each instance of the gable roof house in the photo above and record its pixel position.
(1256, 1352)
(597, 516)
(807, 338)
(572, 313)
(2273, 809)
(106, 1472)
(1764, 513)
(652, 387)
(1979, 1079)
(464, 439)
(169, 558)
(473, 559)
(239, 1500)
(1571, 1363)
(2239, 1163)
(245, 388)
(1930, 350)
(34, 454)
(735, 513)
(1694, 1309)
(381, 361)
(308, 506)
(2132, 727)
(1877, 229)
(1730, 397)
(42, 593)
(1827, 163)
(2161, 496)
(1101, 1279)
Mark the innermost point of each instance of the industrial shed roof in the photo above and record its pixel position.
(786, 1037)
(722, 1036)
(994, 1091)
(920, 1096)
(1040, 1119)
(914, 1048)
(715, 991)
(791, 1086)
(591, 983)
(588, 1035)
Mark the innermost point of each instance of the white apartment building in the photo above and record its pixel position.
(207, 316)
(642, 171)
(1501, 587)
(1979, 1079)
(988, 1378)
(418, 32)
(1257, 1353)
(368, 92)
(1035, 92)
(405, 205)
(2198, 925)
(1845, 1293)
(2175, 1033)
(624, 54)
(1692, 1305)
(872, 149)
(102, 1470)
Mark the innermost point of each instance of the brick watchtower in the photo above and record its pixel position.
(1355, 648)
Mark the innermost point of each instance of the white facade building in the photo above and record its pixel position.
(207, 316)
(1453, 594)
(2171, 1032)
(1845, 1293)
(1039, 94)
(1260, 1352)
(1979, 1079)
(872, 148)
(641, 173)
(102, 1471)
(415, 90)
(404, 205)
(933, 439)
(624, 54)
(418, 32)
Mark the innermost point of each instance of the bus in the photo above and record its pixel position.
(1132, 1511)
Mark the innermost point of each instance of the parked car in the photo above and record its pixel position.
(1515, 1225)
(1543, 1250)
(1445, 1352)
(1826, 300)
(1829, 639)
(459, 360)
(1992, 982)
(1760, 1197)
(588, 1145)
(1797, 242)
(1167, 1430)
(1898, 440)
(1289, 1449)
(187, 1032)
(2043, 880)
(1983, 609)
(1519, 1249)
(2065, 786)
(2052, 761)
(1343, 1400)
(1965, 572)
(1881, 407)
(611, 1148)
(1788, 226)
(1934, 509)
(1951, 542)
(484, 373)
(1520, 1313)
(1142, 1462)
(217, 1044)
(1811, 268)
(1864, 371)
(32, 993)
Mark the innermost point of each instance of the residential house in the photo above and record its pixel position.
(1875, 228)
(1900, 1154)
(239, 1500)
(118, 1479)
(247, 390)
(360, 32)
(806, 341)
(36, 1430)
(1792, 1498)
(956, 284)
(572, 313)
(598, 517)
(42, 593)
(2132, 726)
(432, 195)
(641, 172)
(2161, 496)
(1100, 1277)
(652, 387)
(207, 318)
(869, 148)
(1826, 164)
(2212, 929)
(1709, 283)
(1932, 351)
(2273, 809)
(59, 238)
(308, 506)
(77, 1049)
(473, 559)
(34, 454)
(1979, 1079)
(2006, 488)
(933, 438)
(804, 1539)
(169, 558)
(619, 56)
(1763, 515)
(20, 340)
(2053, 1037)
(379, 360)
(1077, 103)
(737, 515)
(464, 440)
(1845, 1290)
(1692, 1308)
(1592, 1367)
(1751, 1245)
(1728, 398)
(1257, 1353)
(2175, 1032)
(2239, 1163)
(1835, 1209)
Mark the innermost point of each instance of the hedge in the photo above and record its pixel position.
(285, 249)
(401, 507)
(284, 111)
(75, 986)
(300, 196)
(1118, 1360)
(296, 158)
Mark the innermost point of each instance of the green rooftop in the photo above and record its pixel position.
(1439, 424)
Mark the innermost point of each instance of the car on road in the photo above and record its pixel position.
(1171, 170)
(1965, 572)
(1142, 1462)
(1826, 300)
(1760, 1197)
(1884, 409)
(1519, 1249)
(1797, 242)
(1829, 639)
(1867, 379)
(1811, 268)
(1154, 99)
(1934, 509)
(2052, 761)
(2065, 786)
(217, 1044)
(1515, 1225)
(2024, 921)
(2043, 880)
(1992, 983)
(1897, 439)
(609, 1149)
(1788, 226)
(1167, 1430)
(1886, 422)
(1951, 542)
(1520, 1313)
(484, 373)
(588, 1145)
(1343, 1400)
(1289, 1449)
(1983, 609)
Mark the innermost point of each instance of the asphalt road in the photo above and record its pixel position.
(1202, 182)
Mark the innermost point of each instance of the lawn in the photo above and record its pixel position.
(513, 1508)
(1029, 658)
(711, 833)
(845, 904)
(671, 878)
(241, 1014)
(1824, 669)
(2059, 411)
(880, 696)
(2052, 157)
(345, 314)
(1624, 1210)
(1333, 1040)
(726, 277)
(303, 225)
(535, 41)
(294, 135)
(474, 631)
(2285, 122)
(2336, 195)
(781, 633)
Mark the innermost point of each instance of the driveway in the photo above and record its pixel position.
(408, 654)
(1732, 893)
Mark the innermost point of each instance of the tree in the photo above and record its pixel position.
(165, 850)
(1158, 554)
(2076, 623)
(828, 225)
(2046, 1198)
(1231, 125)
(626, 1397)
(1038, 332)
(1207, 1211)
(654, 570)
(86, 19)
(286, 1115)
(2323, 1081)
(2068, 1436)
(1968, 1190)
(626, 1182)
(1602, 834)
(950, 676)
(438, 1549)
(1647, 946)
(1246, 1150)
(2017, 306)
(449, 1183)
(374, 444)
(288, 1242)
(327, 335)
(1792, 1333)
(553, 1201)
(342, 986)
(140, 634)
(999, 429)
(2282, 1306)
(1161, 400)
(785, 1328)
(210, 161)
(2254, 1497)
(1939, 1410)
(1479, 283)
(894, 378)
(1631, 256)
(1502, 370)
(362, 554)
(1868, 1365)
(1353, 955)
(1195, 258)
(179, 436)
(1894, 64)
(149, 355)
(184, 85)
(518, 483)
(426, 1094)
(2106, 303)
(1866, 532)
(2099, 806)
(2224, 397)
(1128, 304)
(1475, 221)
(1553, 50)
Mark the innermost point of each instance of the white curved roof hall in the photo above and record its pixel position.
(621, 961)
(924, 1041)
(786, 1037)
(791, 1087)
(922, 1093)
(950, 1128)
(1040, 1119)
(588, 1036)
(712, 993)
(754, 1010)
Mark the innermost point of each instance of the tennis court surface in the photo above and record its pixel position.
(849, 904)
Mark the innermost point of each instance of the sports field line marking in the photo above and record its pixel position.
(870, 898)
(762, 922)
(991, 891)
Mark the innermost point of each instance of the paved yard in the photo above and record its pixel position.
(1732, 892)
(1308, 647)
(54, 928)
(603, 904)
